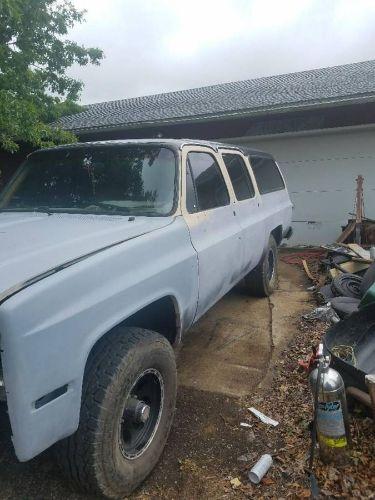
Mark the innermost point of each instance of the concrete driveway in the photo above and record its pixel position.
(227, 355)
(229, 350)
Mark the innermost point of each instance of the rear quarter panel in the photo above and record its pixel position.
(277, 210)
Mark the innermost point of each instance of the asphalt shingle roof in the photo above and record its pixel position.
(282, 93)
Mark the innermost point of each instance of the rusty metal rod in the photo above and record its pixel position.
(361, 396)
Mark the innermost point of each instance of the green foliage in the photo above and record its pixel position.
(34, 56)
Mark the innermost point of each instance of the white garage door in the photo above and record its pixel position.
(320, 169)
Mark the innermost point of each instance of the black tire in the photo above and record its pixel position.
(262, 280)
(105, 456)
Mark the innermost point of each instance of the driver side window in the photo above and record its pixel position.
(205, 185)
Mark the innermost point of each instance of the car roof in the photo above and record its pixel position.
(176, 144)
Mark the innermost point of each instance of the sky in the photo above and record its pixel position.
(154, 46)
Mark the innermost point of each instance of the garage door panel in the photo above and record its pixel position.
(319, 145)
(315, 234)
(321, 207)
(327, 176)
(320, 170)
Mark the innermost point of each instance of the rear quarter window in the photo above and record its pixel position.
(267, 174)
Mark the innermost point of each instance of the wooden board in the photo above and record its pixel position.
(361, 252)
(347, 232)
(307, 270)
(334, 272)
(354, 267)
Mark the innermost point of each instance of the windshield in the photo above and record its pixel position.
(136, 180)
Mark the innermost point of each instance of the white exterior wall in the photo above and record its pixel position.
(320, 168)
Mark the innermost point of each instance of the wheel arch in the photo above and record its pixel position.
(277, 233)
(162, 315)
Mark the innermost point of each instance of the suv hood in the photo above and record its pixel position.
(34, 243)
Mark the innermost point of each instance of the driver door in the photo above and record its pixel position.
(215, 232)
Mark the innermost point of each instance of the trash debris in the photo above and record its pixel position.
(308, 364)
(323, 313)
(345, 352)
(260, 469)
(235, 482)
(357, 249)
(263, 417)
(351, 290)
(354, 266)
(337, 248)
(346, 232)
(245, 424)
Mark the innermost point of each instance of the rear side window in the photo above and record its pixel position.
(206, 189)
(266, 174)
(239, 175)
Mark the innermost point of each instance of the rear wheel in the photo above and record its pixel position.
(262, 280)
(127, 409)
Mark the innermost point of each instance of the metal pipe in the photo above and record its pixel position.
(361, 396)
(370, 381)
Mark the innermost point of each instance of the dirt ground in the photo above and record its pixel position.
(226, 364)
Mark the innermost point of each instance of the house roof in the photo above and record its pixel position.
(338, 85)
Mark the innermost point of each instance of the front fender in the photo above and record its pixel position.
(48, 329)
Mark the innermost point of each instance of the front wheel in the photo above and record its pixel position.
(128, 403)
(262, 280)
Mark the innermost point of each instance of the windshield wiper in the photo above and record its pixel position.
(43, 209)
(100, 205)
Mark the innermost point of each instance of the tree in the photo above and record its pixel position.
(34, 56)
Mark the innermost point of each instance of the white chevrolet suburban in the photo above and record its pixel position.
(109, 252)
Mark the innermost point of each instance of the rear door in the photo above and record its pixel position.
(208, 208)
(248, 207)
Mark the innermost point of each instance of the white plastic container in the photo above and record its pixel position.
(260, 468)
